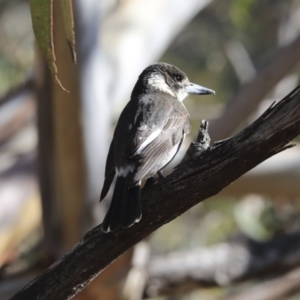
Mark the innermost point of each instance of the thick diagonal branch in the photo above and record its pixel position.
(199, 177)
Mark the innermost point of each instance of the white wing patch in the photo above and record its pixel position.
(123, 172)
(149, 139)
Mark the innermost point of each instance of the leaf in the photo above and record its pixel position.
(67, 8)
(42, 23)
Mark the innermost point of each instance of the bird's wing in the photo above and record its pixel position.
(171, 136)
(152, 120)
(148, 123)
(109, 172)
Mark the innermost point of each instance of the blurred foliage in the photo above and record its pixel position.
(16, 44)
(206, 224)
(257, 217)
(240, 12)
(200, 48)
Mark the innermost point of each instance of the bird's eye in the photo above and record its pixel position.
(178, 77)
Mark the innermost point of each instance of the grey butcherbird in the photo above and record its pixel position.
(148, 135)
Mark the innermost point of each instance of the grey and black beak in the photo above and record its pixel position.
(192, 88)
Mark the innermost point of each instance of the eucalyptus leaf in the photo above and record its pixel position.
(67, 8)
(42, 23)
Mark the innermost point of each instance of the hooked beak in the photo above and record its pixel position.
(198, 89)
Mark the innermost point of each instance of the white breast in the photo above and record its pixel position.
(166, 159)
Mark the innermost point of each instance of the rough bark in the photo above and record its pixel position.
(201, 175)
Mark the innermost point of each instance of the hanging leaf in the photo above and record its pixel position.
(67, 8)
(42, 23)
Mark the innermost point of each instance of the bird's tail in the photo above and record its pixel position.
(125, 208)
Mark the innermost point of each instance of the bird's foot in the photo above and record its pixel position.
(160, 175)
(154, 180)
(150, 181)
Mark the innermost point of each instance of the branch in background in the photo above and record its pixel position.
(240, 60)
(254, 92)
(17, 109)
(221, 264)
(201, 175)
(277, 176)
(16, 115)
(279, 288)
(22, 91)
(20, 213)
(137, 276)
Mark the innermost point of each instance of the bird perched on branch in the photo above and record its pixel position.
(147, 137)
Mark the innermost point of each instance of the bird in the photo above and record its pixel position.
(147, 137)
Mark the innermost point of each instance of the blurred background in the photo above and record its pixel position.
(242, 244)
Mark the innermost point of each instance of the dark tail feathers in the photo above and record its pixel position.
(125, 208)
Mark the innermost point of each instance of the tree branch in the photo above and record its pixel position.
(221, 264)
(200, 176)
(279, 288)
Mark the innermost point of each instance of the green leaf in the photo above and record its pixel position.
(67, 8)
(42, 23)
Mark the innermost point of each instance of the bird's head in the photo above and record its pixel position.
(171, 80)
